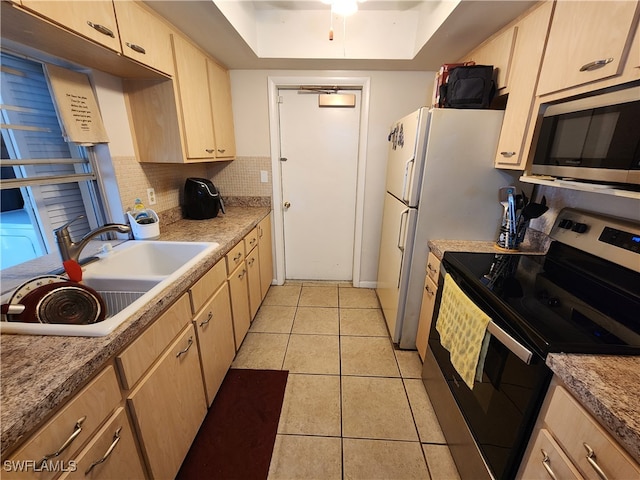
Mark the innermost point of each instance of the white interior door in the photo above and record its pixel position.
(319, 186)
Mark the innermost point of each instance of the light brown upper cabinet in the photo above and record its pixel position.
(496, 51)
(144, 36)
(587, 42)
(193, 97)
(220, 93)
(525, 66)
(95, 20)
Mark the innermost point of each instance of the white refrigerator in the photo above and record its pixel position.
(441, 184)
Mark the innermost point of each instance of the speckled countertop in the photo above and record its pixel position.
(606, 385)
(40, 373)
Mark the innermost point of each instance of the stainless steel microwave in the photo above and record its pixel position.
(594, 138)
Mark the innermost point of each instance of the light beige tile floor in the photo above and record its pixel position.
(354, 407)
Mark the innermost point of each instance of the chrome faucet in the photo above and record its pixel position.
(70, 250)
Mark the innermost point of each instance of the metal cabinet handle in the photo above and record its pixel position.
(209, 317)
(101, 28)
(250, 262)
(587, 67)
(222, 150)
(260, 232)
(237, 257)
(591, 458)
(116, 439)
(76, 431)
(252, 241)
(430, 268)
(136, 48)
(209, 150)
(242, 274)
(426, 287)
(545, 463)
(507, 154)
(186, 349)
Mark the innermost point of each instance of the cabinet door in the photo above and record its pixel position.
(240, 303)
(586, 43)
(498, 52)
(95, 20)
(214, 325)
(525, 66)
(169, 405)
(253, 281)
(195, 104)
(70, 428)
(426, 315)
(220, 92)
(547, 461)
(266, 256)
(111, 454)
(144, 36)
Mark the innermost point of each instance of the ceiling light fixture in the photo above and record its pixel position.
(344, 7)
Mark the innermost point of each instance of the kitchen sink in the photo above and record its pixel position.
(127, 277)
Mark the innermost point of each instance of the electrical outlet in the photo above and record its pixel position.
(264, 176)
(151, 196)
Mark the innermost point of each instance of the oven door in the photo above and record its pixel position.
(486, 427)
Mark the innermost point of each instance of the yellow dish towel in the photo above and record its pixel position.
(462, 327)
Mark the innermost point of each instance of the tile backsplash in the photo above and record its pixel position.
(238, 178)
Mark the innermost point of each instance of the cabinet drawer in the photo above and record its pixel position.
(78, 419)
(251, 240)
(202, 290)
(433, 268)
(547, 459)
(574, 427)
(115, 444)
(235, 257)
(138, 357)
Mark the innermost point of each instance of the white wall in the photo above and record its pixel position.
(393, 95)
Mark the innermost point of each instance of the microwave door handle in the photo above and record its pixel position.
(511, 343)
(405, 182)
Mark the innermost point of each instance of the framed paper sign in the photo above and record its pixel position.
(76, 105)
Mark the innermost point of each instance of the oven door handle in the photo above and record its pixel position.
(511, 343)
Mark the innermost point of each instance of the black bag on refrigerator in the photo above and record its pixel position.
(469, 86)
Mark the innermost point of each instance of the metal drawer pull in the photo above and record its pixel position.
(250, 262)
(136, 48)
(430, 268)
(76, 431)
(222, 150)
(209, 317)
(252, 241)
(241, 274)
(429, 290)
(101, 28)
(209, 150)
(545, 463)
(116, 439)
(186, 349)
(587, 67)
(507, 154)
(237, 257)
(591, 458)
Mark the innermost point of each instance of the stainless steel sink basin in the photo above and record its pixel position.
(126, 278)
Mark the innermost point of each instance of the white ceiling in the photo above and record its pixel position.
(382, 35)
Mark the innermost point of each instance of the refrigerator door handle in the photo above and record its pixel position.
(403, 229)
(405, 181)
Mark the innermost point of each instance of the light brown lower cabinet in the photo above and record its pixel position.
(168, 406)
(57, 442)
(426, 316)
(548, 460)
(214, 325)
(111, 454)
(253, 281)
(240, 303)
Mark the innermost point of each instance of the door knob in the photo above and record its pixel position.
(287, 204)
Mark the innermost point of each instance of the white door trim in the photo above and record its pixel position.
(276, 83)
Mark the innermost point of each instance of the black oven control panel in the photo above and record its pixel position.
(611, 238)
